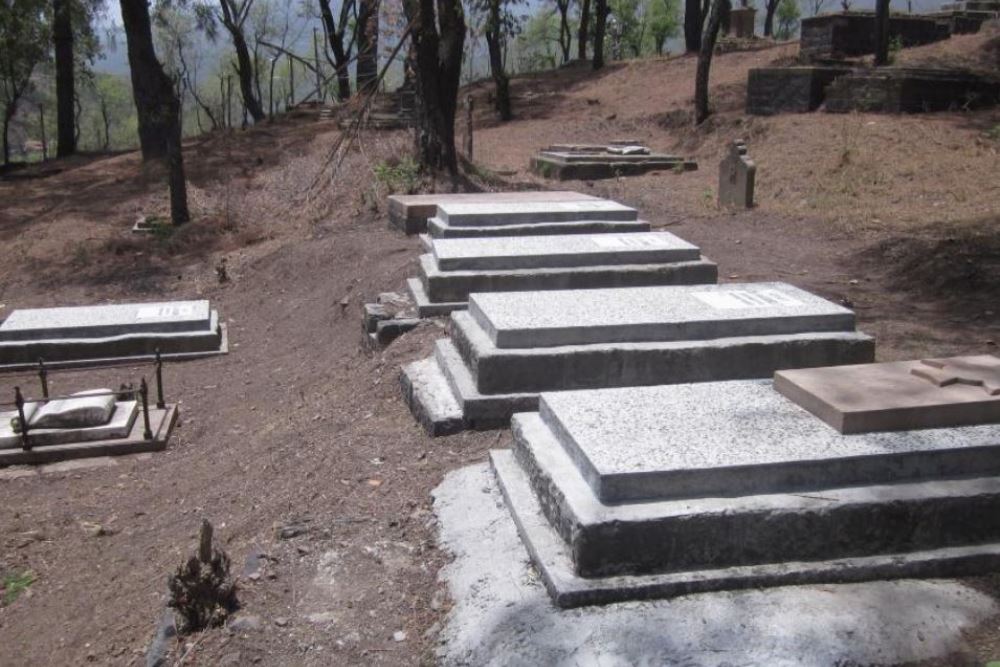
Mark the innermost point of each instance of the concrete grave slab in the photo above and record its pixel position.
(727, 439)
(118, 425)
(561, 251)
(88, 335)
(439, 229)
(84, 409)
(931, 393)
(502, 615)
(647, 314)
(568, 165)
(528, 212)
(411, 212)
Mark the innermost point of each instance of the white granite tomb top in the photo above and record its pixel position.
(653, 314)
(118, 426)
(675, 440)
(519, 212)
(106, 320)
(498, 252)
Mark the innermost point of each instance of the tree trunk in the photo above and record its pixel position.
(156, 103)
(62, 36)
(565, 34)
(41, 125)
(367, 39)
(600, 25)
(881, 33)
(494, 43)
(244, 63)
(692, 25)
(8, 113)
(438, 71)
(711, 33)
(336, 39)
(770, 9)
(581, 45)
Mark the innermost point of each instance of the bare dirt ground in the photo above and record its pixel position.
(300, 425)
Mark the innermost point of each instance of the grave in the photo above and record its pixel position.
(585, 162)
(911, 90)
(852, 34)
(94, 334)
(773, 90)
(659, 491)
(510, 346)
(85, 424)
(741, 22)
(410, 213)
(454, 268)
(737, 176)
(531, 218)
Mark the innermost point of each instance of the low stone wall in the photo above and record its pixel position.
(852, 34)
(772, 90)
(911, 91)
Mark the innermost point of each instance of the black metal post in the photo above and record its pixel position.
(160, 403)
(144, 393)
(43, 375)
(19, 401)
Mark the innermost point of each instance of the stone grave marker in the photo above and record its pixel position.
(737, 175)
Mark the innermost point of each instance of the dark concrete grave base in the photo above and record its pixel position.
(600, 167)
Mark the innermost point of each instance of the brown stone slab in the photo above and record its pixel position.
(901, 395)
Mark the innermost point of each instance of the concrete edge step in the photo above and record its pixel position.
(439, 229)
(480, 410)
(550, 556)
(430, 399)
(428, 308)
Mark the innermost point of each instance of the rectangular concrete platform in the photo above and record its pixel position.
(528, 212)
(120, 425)
(439, 229)
(653, 314)
(456, 285)
(91, 335)
(162, 422)
(552, 558)
(561, 251)
(410, 213)
(590, 166)
(727, 439)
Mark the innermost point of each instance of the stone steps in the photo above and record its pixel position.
(439, 229)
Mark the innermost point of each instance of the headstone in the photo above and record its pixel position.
(742, 21)
(737, 174)
(901, 395)
(83, 410)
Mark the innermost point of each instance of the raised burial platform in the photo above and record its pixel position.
(410, 213)
(565, 165)
(454, 268)
(509, 347)
(94, 334)
(659, 491)
(525, 218)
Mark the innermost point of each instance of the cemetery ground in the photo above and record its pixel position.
(297, 445)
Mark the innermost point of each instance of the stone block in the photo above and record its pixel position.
(83, 409)
(528, 212)
(901, 395)
(589, 166)
(737, 177)
(561, 251)
(772, 90)
(653, 314)
(438, 229)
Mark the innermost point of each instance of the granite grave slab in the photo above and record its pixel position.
(528, 212)
(91, 334)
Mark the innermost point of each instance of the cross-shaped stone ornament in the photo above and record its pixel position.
(948, 372)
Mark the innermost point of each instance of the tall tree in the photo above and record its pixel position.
(692, 25)
(664, 22)
(881, 33)
(584, 33)
(156, 104)
(62, 37)
(494, 44)
(788, 18)
(367, 38)
(565, 33)
(770, 7)
(701, 111)
(438, 68)
(336, 31)
(233, 16)
(24, 27)
(600, 26)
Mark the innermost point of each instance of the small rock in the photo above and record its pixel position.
(281, 622)
(246, 623)
(292, 530)
(94, 529)
(303, 551)
(399, 636)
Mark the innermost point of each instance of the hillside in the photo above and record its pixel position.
(299, 424)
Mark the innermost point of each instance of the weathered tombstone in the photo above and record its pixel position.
(741, 22)
(737, 174)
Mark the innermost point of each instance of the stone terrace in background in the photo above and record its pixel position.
(410, 213)
(511, 346)
(454, 268)
(667, 490)
(94, 334)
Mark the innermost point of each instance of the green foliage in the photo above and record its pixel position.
(537, 44)
(664, 22)
(788, 16)
(895, 46)
(402, 176)
(24, 43)
(994, 133)
(13, 584)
